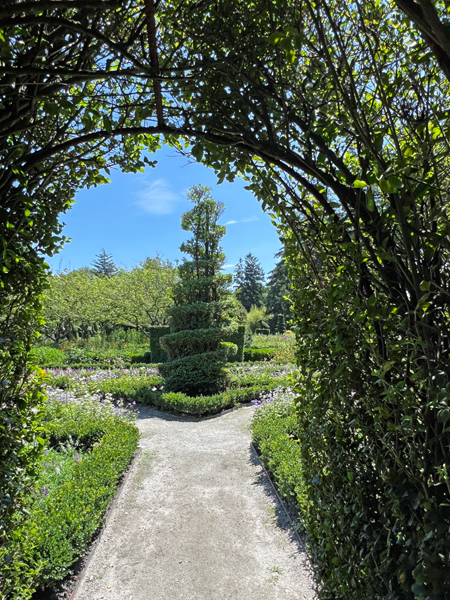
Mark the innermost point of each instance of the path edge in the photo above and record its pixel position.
(90, 553)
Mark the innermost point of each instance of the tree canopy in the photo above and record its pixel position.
(249, 282)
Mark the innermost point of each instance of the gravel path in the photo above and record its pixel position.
(196, 520)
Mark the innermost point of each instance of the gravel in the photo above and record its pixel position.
(196, 520)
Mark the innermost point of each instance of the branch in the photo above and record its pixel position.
(435, 33)
(154, 61)
(41, 5)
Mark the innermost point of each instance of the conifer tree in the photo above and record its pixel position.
(249, 281)
(103, 265)
(278, 289)
(204, 311)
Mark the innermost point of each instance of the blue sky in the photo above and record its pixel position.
(138, 215)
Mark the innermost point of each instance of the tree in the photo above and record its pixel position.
(278, 291)
(79, 305)
(257, 317)
(249, 281)
(203, 314)
(141, 297)
(72, 307)
(103, 265)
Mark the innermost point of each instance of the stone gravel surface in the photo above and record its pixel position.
(196, 520)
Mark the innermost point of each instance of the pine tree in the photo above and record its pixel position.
(103, 265)
(278, 288)
(249, 281)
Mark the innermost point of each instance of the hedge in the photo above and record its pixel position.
(63, 520)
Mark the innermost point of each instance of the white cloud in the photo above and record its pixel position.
(228, 266)
(242, 221)
(158, 198)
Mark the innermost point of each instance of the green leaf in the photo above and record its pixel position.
(443, 415)
(276, 37)
(107, 124)
(370, 200)
(197, 152)
(395, 183)
(358, 183)
(425, 286)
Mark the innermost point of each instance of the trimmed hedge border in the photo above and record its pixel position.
(274, 428)
(61, 525)
(258, 354)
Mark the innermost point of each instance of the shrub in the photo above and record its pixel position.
(256, 354)
(274, 433)
(237, 337)
(200, 373)
(204, 312)
(46, 355)
(21, 446)
(69, 507)
(157, 354)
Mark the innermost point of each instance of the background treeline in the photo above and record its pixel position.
(101, 299)
(82, 303)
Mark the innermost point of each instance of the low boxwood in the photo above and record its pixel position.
(69, 509)
(134, 389)
(103, 366)
(49, 357)
(274, 433)
(257, 354)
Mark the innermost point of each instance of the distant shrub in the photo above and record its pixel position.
(237, 337)
(256, 354)
(45, 355)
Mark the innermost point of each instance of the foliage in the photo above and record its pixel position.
(103, 265)
(158, 355)
(277, 298)
(203, 315)
(21, 441)
(256, 318)
(92, 444)
(237, 337)
(339, 122)
(78, 305)
(257, 354)
(74, 354)
(144, 391)
(249, 282)
(47, 355)
(274, 433)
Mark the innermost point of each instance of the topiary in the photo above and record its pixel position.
(204, 314)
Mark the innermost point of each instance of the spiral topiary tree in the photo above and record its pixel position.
(204, 312)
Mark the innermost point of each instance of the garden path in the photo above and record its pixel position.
(196, 520)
